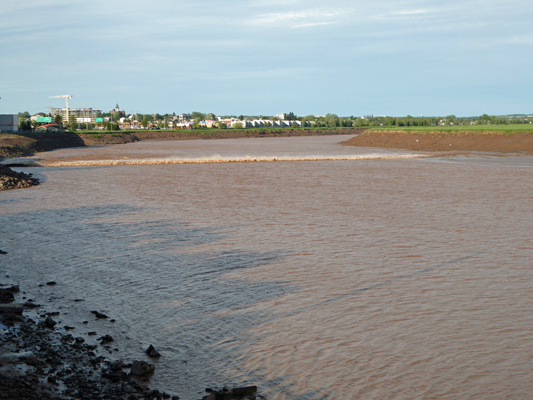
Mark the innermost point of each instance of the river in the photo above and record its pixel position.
(310, 269)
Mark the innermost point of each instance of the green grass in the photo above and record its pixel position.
(506, 129)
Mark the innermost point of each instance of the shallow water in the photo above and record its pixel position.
(368, 274)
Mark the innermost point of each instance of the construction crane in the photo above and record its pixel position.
(66, 97)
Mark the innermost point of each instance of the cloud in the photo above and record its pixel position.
(411, 12)
(521, 39)
(299, 19)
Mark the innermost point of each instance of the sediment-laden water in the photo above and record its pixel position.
(364, 274)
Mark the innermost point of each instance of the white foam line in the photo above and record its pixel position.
(225, 160)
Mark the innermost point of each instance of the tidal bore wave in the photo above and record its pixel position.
(215, 160)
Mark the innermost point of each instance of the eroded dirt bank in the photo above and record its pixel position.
(521, 143)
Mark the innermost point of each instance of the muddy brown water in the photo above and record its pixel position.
(365, 274)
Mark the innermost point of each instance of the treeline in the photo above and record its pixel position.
(162, 121)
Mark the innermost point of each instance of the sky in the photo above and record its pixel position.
(263, 57)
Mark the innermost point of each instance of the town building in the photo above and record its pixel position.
(80, 114)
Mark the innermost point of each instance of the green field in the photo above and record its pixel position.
(506, 129)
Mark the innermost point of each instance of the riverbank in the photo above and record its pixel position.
(498, 142)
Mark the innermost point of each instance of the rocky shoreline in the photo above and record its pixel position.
(39, 360)
(10, 179)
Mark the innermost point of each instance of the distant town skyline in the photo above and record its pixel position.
(253, 57)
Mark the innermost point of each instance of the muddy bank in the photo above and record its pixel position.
(520, 143)
(27, 144)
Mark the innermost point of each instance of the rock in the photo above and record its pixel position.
(106, 339)
(3, 252)
(99, 314)
(152, 352)
(246, 392)
(7, 294)
(51, 283)
(31, 304)
(49, 323)
(6, 309)
(142, 369)
(6, 297)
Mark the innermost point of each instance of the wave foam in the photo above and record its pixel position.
(218, 159)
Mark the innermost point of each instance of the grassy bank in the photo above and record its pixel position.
(501, 129)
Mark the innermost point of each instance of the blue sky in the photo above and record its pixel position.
(269, 56)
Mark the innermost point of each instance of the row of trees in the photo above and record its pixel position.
(326, 121)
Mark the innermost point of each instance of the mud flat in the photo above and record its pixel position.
(519, 143)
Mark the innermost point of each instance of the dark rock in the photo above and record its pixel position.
(3, 252)
(106, 339)
(51, 283)
(6, 309)
(49, 323)
(99, 314)
(30, 304)
(69, 328)
(116, 365)
(79, 339)
(6, 296)
(142, 369)
(246, 392)
(152, 352)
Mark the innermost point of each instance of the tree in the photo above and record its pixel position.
(196, 115)
(332, 120)
(237, 125)
(58, 119)
(25, 125)
(24, 115)
(290, 116)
